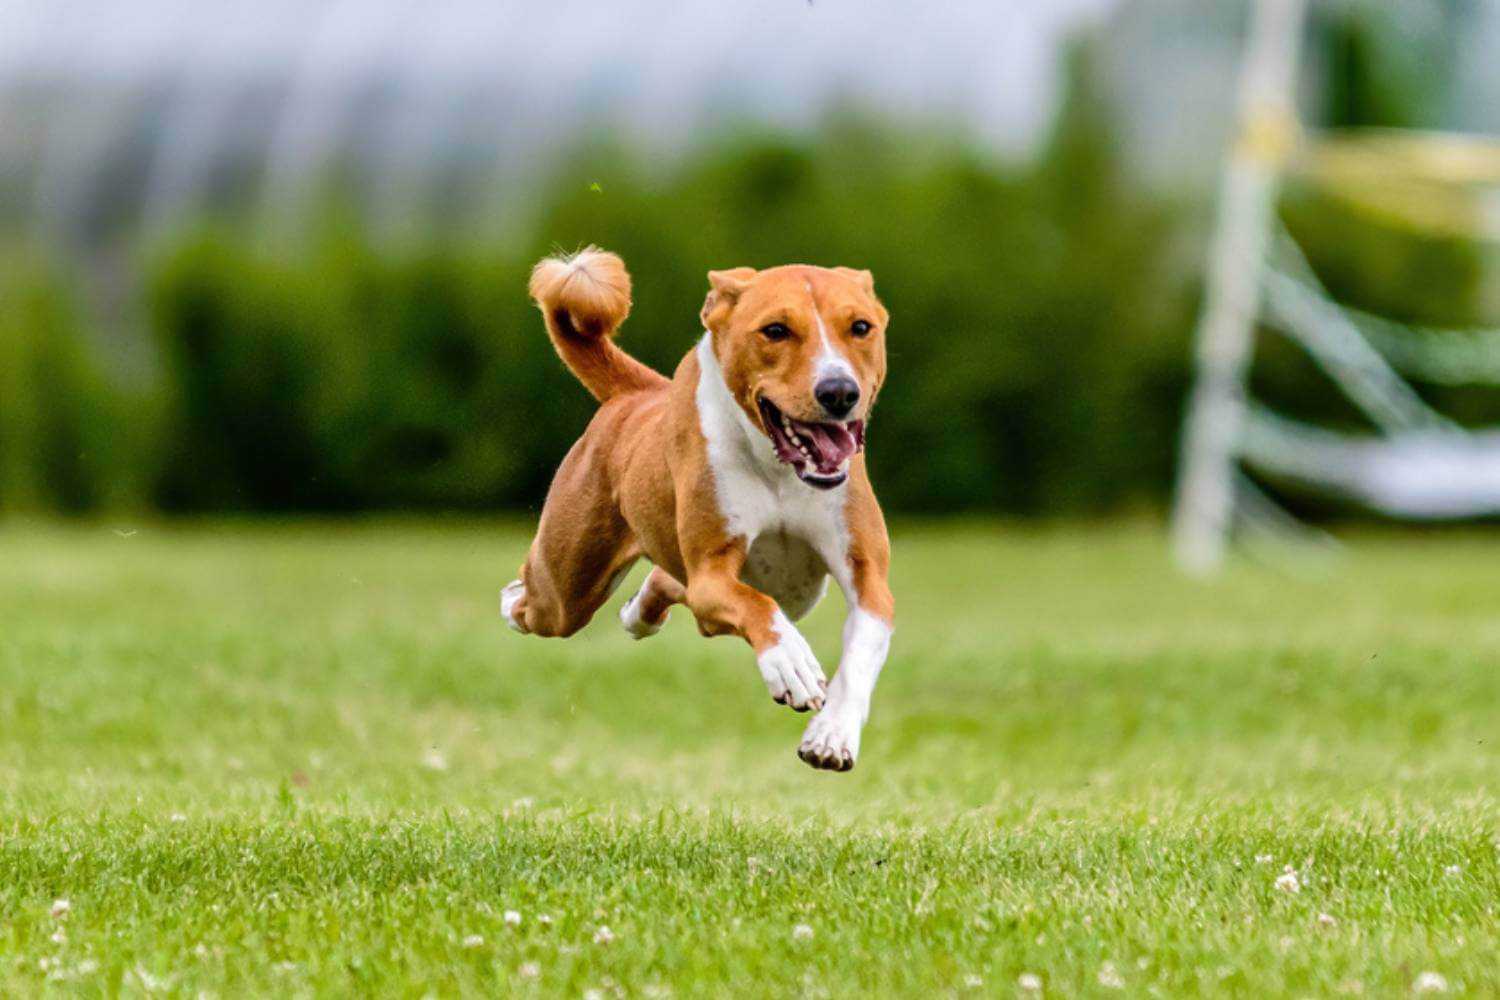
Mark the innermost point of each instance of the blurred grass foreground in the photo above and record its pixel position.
(331, 770)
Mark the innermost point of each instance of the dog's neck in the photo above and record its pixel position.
(725, 423)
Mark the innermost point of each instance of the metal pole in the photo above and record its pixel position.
(1267, 127)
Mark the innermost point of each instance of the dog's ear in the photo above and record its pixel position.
(864, 279)
(724, 288)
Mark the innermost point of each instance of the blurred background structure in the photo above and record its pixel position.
(272, 257)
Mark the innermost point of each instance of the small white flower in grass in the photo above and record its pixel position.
(512, 918)
(603, 935)
(973, 982)
(802, 932)
(529, 970)
(1263, 859)
(1430, 982)
(201, 950)
(1453, 870)
(150, 983)
(179, 818)
(545, 919)
(61, 908)
(1030, 982)
(87, 967)
(59, 936)
(1327, 920)
(1288, 881)
(593, 995)
(434, 760)
(474, 941)
(1110, 978)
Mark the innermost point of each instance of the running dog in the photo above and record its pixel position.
(741, 478)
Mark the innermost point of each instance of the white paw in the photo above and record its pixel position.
(791, 671)
(510, 596)
(638, 627)
(831, 742)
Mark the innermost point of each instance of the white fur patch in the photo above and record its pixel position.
(788, 570)
(761, 498)
(510, 596)
(830, 361)
(789, 668)
(630, 616)
(832, 737)
(756, 491)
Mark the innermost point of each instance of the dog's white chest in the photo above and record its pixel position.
(795, 535)
(788, 570)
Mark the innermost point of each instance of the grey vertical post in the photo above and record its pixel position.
(1266, 130)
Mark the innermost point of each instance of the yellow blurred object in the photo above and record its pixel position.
(1434, 183)
(1269, 136)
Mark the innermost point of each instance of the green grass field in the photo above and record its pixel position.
(308, 759)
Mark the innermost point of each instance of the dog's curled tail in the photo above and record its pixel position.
(584, 299)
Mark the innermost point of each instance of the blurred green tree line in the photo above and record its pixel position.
(1035, 328)
(1039, 343)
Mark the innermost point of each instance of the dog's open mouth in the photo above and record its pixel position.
(818, 452)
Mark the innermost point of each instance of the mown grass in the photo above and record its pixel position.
(307, 759)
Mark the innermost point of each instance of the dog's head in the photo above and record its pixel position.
(803, 353)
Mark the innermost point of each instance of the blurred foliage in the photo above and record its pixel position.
(1379, 263)
(1384, 62)
(66, 440)
(347, 379)
(1039, 344)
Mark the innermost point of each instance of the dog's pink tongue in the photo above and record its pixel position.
(831, 444)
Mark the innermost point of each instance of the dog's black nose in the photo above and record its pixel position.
(837, 395)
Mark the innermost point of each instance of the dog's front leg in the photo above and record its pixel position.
(831, 741)
(725, 605)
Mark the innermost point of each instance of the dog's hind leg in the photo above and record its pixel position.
(582, 550)
(559, 591)
(646, 612)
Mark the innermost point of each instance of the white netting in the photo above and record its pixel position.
(1415, 462)
(1420, 464)
(1439, 357)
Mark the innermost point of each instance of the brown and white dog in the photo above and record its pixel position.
(742, 478)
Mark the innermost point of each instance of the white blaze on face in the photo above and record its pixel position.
(830, 361)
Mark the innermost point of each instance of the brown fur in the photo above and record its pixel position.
(638, 482)
(584, 299)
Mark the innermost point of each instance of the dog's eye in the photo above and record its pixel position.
(860, 328)
(775, 331)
